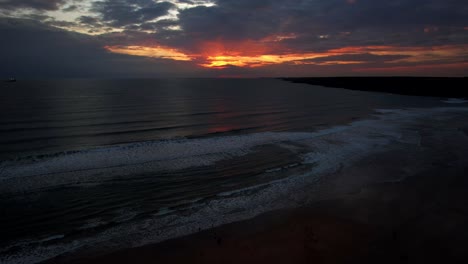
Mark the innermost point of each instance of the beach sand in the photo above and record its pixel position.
(417, 215)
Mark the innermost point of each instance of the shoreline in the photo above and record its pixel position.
(409, 214)
(453, 87)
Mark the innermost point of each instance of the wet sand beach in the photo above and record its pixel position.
(406, 204)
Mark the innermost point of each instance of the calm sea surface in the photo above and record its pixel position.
(80, 159)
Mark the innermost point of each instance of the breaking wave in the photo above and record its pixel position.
(323, 152)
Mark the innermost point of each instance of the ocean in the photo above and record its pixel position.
(101, 165)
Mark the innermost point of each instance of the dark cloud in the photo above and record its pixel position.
(39, 17)
(60, 23)
(159, 25)
(316, 26)
(70, 8)
(32, 4)
(363, 57)
(127, 12)
(32, 50)
(368, 22)
(233, 20)
(396, 14)
(90, 21)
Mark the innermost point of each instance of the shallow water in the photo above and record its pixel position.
(53, 116)
(84, 160)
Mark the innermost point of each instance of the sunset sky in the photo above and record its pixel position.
(232, 38)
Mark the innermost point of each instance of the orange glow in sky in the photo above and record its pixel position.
(250, 54)
(151, 52)
(257, 61)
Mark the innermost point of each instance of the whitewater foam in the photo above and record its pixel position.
(329, 151)
(101, 164)
(455, 101)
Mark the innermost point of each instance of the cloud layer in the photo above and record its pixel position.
(255, 38)
(31, 4)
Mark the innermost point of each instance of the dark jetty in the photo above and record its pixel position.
(419, 86)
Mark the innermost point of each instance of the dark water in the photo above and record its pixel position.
(82, 156)
(53, 116)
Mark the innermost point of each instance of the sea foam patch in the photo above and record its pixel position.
(455, 101)
(329, 150)
(100, 164)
